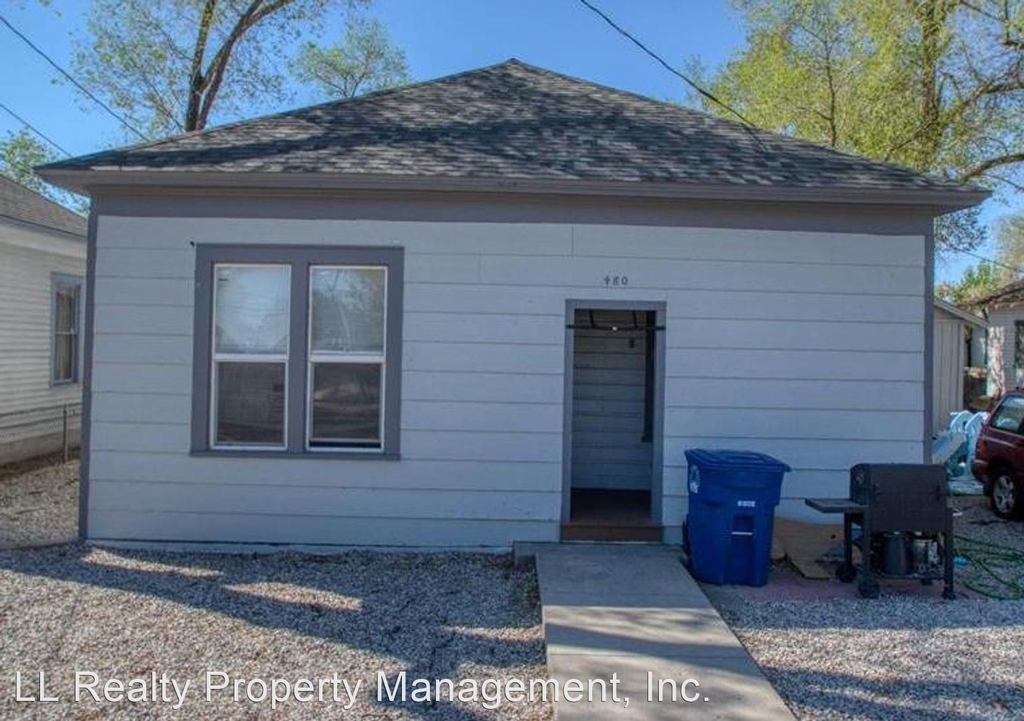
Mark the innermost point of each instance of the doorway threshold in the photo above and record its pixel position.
(610, 515)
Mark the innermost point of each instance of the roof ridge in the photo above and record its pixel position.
(291, 112)
(761, 133)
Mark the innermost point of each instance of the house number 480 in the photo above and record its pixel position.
(612, 281)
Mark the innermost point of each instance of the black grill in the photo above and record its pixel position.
(905, 523)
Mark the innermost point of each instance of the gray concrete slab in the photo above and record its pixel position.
(634, 614)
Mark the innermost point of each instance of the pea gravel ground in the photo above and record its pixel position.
(897, 657)
(127, 614)
(38, 506)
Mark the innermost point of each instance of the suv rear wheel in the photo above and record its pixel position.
(1007, 494)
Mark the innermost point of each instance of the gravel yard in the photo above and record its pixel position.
(129, 614)
(126, 615)
(40, 506)
(897, 657)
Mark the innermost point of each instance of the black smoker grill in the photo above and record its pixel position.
(906, 525)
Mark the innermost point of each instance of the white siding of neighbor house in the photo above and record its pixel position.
(1003, 375)
(28, 258)
(805, 345)
(950, 360)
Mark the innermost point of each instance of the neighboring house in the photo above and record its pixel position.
(1004, 310)
(489, 308)
(955, 331)
(42, 279)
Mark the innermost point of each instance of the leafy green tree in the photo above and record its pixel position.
(174, 66)
(1010, 242)
(20, 152)
(977, 281)
(363, 61)
(934, 85)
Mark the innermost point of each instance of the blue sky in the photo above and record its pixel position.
(439, 37)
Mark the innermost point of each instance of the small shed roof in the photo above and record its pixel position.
(521, 127)
(966, 316)
(24, 205)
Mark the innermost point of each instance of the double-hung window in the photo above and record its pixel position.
(297, 350)
(249, 366)
(67, 314)
(346, 356)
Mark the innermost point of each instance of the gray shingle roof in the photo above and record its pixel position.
(511, 121)
(27, 206)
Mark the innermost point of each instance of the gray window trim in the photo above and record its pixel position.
(57, 281)
(301, 257)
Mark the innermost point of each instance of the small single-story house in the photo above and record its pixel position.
(955, 332)
(1004, 311)
(488, 308)
(42, 279)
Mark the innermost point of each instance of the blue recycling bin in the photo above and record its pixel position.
(732, 500)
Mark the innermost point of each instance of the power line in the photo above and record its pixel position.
(749, 126)
(990, 260)
(74, 82)
(33, 128)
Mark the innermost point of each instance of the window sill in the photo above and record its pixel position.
(63, 384)
(317, 455)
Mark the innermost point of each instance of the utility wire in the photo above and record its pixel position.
(990, 260)
(749, 126)
(33, 128)
(74, 82)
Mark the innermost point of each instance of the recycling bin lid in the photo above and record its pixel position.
(729, 459)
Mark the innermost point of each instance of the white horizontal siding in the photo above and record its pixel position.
(794, 364)
(948, 364)
(172, 467)
(866, 425)
(321, 501)
(831, 394)
(25, 316)
(805, 345)
(386, 530)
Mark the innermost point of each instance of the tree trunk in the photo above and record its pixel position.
(932, 17)
(196, 80)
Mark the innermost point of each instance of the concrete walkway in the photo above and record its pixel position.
(633, 610)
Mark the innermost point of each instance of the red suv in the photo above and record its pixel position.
(999, 458)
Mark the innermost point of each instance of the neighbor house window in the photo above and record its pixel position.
(67, 313)
(297, 349)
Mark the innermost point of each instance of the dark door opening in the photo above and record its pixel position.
(612, 425)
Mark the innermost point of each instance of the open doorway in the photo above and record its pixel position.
(613, 422)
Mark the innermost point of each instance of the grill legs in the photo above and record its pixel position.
(867, 582)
